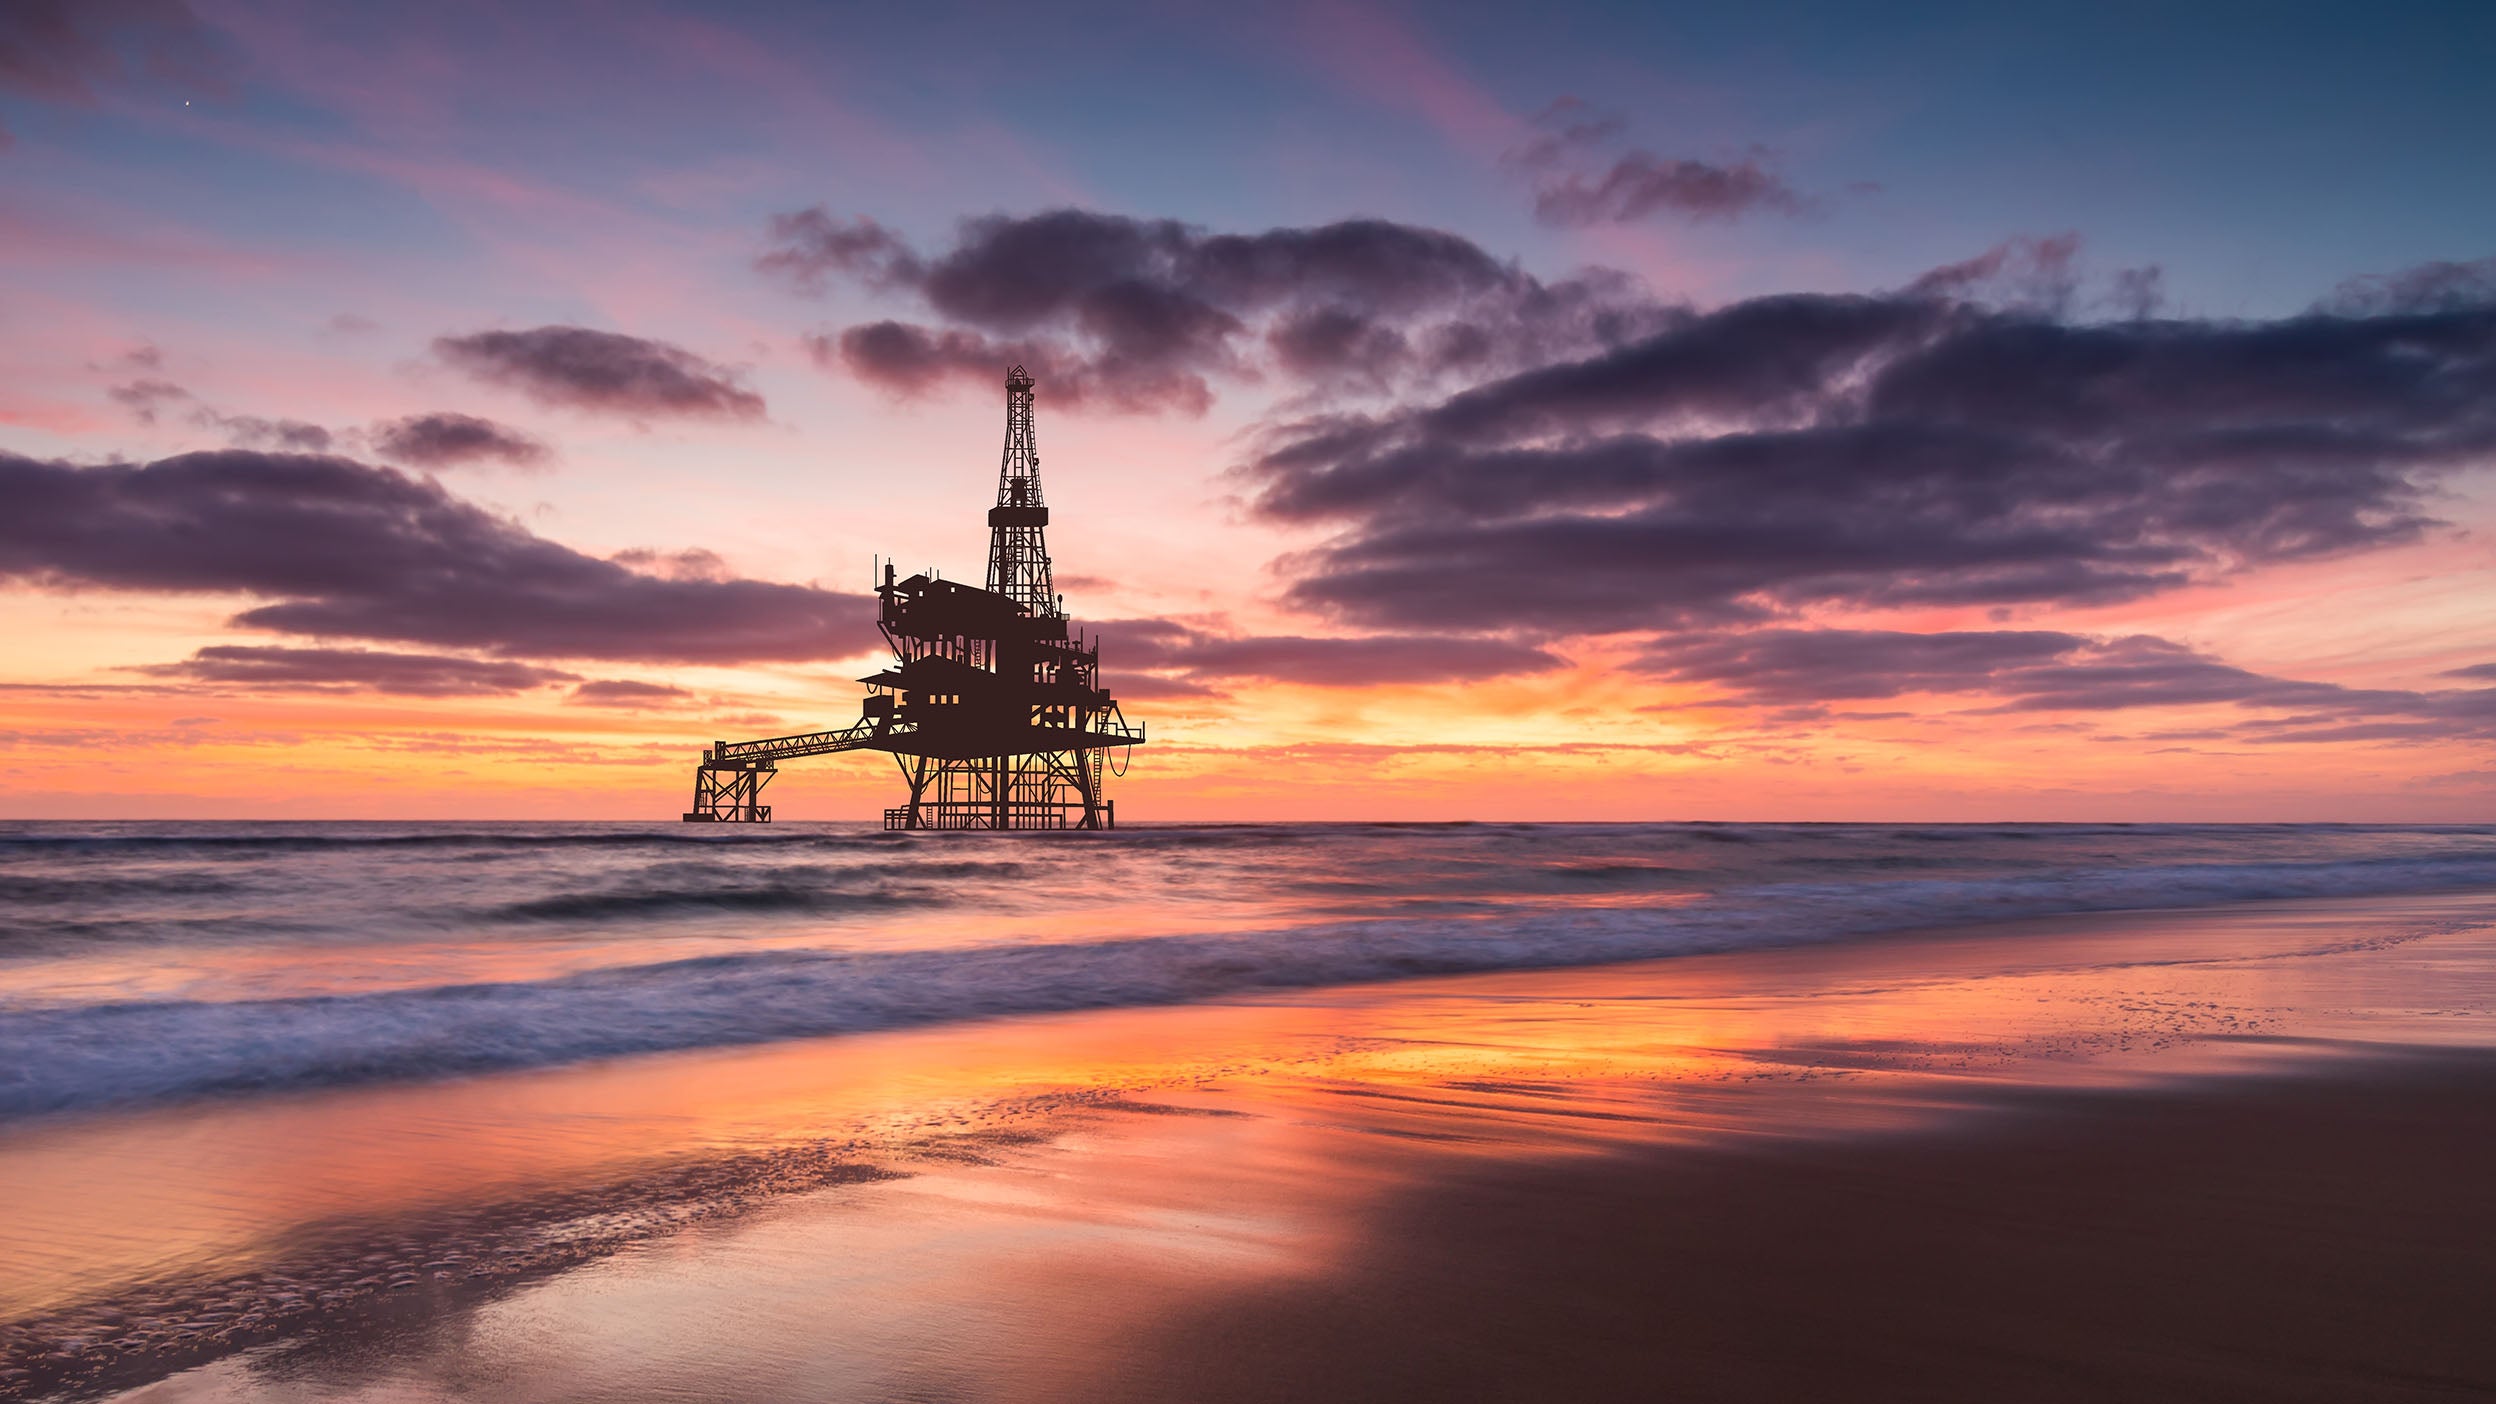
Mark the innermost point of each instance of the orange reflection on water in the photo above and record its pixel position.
(1774, 1042)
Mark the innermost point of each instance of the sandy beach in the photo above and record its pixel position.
(2317, 1236)
(2237, 1152)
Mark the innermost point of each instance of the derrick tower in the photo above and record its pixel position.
(1018, 547)
(992, 704)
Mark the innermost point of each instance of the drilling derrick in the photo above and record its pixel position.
(992, 704)
(1018, 548)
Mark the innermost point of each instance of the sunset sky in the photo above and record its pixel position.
(1557, 412)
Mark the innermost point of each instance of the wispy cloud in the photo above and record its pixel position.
(577, 368)
(2052, 671)
(445, 439)
(1202, 658)
(1580, 180)
(358, 670)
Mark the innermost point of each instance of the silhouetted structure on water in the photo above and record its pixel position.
(992, 706)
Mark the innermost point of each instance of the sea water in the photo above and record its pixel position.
(147, 963)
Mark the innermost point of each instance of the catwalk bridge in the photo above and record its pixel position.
(992, 705)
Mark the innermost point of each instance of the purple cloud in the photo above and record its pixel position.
(2046, 671)
(1142, 315)
(909, 360)
(625, 693)
(342, 550)
(2428, 289)
(1576, 186)
(253, 431)
(1199, 659)
(445, 440)
(358, 670)
(576, 368)
(1642, 183)
(146, 399)
(1909, 449)
(811, 245)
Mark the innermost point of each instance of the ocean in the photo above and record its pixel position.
(153, 963)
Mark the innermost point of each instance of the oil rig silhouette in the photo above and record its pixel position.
(992, 706)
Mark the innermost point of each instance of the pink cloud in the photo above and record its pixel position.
(1377, 55)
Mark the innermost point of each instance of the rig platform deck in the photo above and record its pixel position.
(992, 704)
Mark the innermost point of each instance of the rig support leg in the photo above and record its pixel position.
(914, 772)
(730, 793)
(1088, 787)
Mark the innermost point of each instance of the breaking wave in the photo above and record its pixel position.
(283, 841)
(55, 1059)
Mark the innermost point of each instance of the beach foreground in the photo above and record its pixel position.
(2319, 1236)
(2237, 1152)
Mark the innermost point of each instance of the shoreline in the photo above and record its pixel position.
(1261, 1144)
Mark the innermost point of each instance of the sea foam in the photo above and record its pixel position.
(63, 1057)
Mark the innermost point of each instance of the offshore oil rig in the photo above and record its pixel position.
(992, 705)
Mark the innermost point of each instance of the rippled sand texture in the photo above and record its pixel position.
(1051, 1204)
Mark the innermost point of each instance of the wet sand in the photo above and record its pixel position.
(2239, 1153)
(2330, 1236)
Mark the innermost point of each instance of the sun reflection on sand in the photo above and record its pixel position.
(1789, 1042)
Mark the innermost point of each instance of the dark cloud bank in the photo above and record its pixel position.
(1883, 451)
(343, 550)
(1615, 464)
(1141, 315)
(1931, 447)
(1606, 464)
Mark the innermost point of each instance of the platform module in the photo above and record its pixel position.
(992, 704)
